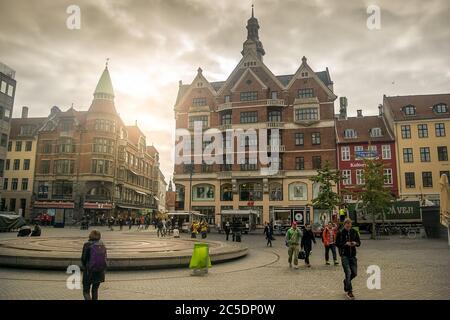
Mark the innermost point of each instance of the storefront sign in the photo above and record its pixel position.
(54, 204)
(97, 205)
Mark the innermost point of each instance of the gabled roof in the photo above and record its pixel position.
(362, 125)
(134, 134)
(184, 90)
(423, 103)
(16, 123)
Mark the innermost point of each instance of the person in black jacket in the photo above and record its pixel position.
(268, 231)
(93, 278)
(306, 244)
(347, 240)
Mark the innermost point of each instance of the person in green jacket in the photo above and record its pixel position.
(293, 236)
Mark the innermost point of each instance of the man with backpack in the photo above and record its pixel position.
(293, 236)
(94, 262)
(347, 240)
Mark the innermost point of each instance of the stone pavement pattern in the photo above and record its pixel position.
(410, 269)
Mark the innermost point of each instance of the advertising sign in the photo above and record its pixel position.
(399, 211)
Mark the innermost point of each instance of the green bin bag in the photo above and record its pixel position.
(200, 257)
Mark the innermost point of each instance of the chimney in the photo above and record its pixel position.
(24, 112)
(359, 113)
(380, 110)
(343, 108)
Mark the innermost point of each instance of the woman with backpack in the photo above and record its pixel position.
(93, 259)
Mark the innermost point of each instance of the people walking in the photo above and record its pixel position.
(306, 243)
(194, 230)
(111, 223)
(293, 236)
(227, 229)
(121, 222)
(93, 259)
(204, 229)
(329, 242)
(159, 228)
(129, 222)
(347, 240)
(268, 231)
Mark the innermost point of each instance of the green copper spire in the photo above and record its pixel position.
(104, 89)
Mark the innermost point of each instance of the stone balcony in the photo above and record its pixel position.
(224, 106)
(275, 125)
(276, 103)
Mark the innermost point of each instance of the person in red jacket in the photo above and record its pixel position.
(329, 241)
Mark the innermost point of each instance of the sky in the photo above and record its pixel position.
(152, 44)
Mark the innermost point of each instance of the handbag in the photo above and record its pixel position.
(301, 255)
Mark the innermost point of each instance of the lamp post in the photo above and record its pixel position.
(190, 168)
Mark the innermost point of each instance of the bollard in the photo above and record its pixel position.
(200, 260)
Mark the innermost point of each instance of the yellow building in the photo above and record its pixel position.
(421, 125)
(20, 163)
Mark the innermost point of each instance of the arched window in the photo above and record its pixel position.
(250, 191)
(203, 192)
(276, 191)
(226, 192)
(298, 191)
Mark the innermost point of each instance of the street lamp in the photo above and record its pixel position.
(190, 168)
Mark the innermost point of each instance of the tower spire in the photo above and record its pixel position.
(253, 42)
(253, 7)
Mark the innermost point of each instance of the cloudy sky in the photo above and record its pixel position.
(152, 44)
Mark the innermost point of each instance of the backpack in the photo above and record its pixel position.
(97, 258)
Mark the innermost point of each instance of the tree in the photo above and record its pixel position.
(375, 196)
(327, 178)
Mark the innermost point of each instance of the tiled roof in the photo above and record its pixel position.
(362, 125)
(423, 104)
(16, 123)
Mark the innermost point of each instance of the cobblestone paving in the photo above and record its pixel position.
(410, 269)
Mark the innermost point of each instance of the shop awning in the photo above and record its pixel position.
(54, 204)
(130, 207)
(97, 205)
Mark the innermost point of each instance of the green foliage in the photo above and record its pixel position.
(327, 178)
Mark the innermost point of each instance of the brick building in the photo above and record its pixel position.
(300, 105)
(358, 137)
(90, 161)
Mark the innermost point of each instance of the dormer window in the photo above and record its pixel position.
(440, 108)
(349, 133)
(199, 102)
(375, 132)
(409, 110)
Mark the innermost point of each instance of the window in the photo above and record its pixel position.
(10, 90)
(346, 177)
(102, 145)
(199, 102)
(316, 162)
(28, 145)
(440, 108)
(26, 164)
(249, 96)
(360, 176)
(249, 117)
(409, 110)
(358, 150)
(43, 189)
(227, 98)
(274, 116)
(425, 154)
(66, 145)
(439, 129)
(16, 165)
(375, 132)
(345, 153)
(349, 133)
(18, 146)
(247, 166)
(9, 145)
(298, 191)
(372, 150)
(306, 114)
(226, 192)
(442, 153)
(202, 119)
(12, 204)
(274, 95)
(62, 189)
(306, 93)
(66, 125)
(45, 166)
(24, 184)
(408, 155)
(47, 147)
(14, 183)
(7, 164)
(276, 192)
(5, 184)
(207, 168)
(248, 140)
(387, 174)
(63, 167)
(406, 131)
(299, 139)
(4, 140)
(315, 138)
(105, 125)
(203, 192)
(386, 151)
(3, 87)
(26, 130)
(410, 180)
(101, 166)
(250, 191)
(299, 163)
(427, 179)
(423, 130)
(225, 118)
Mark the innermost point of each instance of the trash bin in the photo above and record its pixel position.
(200, 260)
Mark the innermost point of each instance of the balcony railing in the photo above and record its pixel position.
(224, 106)
(276, 102)
(225, 126)
(280, 148)
(275, 125)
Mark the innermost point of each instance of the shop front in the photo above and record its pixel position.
(98, 211)
(62, 212)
